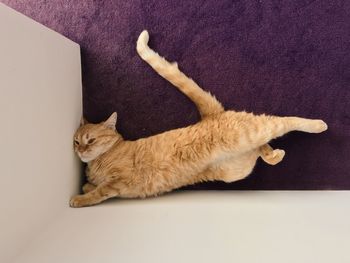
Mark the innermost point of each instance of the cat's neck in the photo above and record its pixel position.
(114, 143)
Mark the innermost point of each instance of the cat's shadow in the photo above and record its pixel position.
(179, 196)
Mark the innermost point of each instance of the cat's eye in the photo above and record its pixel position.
(91, 141)
(76, 142)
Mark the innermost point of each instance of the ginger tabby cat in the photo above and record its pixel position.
(224, 145)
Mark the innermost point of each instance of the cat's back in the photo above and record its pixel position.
(204, 132)
(199, 137)
(205, 127)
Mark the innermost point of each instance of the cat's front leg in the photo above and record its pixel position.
(99, 194)
(88, 188)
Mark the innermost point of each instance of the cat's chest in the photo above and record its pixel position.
(94, 175)
(102, 170)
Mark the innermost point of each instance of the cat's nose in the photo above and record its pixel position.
(81, 148)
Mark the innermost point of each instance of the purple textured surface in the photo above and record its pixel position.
(283, 57)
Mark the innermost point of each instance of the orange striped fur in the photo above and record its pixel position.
(224, 145)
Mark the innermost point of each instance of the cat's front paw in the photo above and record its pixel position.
(77, 201)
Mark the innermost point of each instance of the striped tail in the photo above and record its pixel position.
(206, 103)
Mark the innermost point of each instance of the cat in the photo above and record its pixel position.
(224, 145)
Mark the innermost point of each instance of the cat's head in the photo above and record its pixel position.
(92, 140)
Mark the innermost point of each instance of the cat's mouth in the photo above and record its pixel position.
(83, 158)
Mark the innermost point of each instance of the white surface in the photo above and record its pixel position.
(40, 108)
(201, 227)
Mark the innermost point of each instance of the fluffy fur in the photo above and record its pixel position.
(224, 145)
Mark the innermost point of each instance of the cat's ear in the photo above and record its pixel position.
(111, 121)
(83, 121)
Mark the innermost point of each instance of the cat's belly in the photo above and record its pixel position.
(160, 172)
(227, 170)
(235, 168)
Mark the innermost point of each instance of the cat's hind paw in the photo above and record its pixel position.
(315, 126)
(320, 126)
(274, 157)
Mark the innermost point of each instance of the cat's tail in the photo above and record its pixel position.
(206, 103)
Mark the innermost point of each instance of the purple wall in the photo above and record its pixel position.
(278, 57)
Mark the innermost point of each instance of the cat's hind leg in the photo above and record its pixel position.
(281, 125)
(273, 157)
(250, 132)
(232, 169)
(239, 167)
(311, 126)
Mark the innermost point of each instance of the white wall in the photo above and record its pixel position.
(40, 108)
